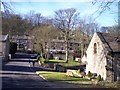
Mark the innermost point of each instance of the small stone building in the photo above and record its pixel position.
(103, 56)
(4, 47)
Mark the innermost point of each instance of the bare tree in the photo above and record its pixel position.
(82, 30)
(91, 27)
(113, 29)
(87, 27)
(42, 36)
(37, 19)
(66, 20)
(7, 7)
(7, 10)
(103, 5)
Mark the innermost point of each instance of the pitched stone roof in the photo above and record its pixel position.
(3, 37)
(110, 41)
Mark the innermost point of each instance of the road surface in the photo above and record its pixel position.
(19, 73)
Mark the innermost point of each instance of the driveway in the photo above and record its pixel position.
(19, 73)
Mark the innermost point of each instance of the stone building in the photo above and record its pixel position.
(4, 47)
(58, 46)
(103, 56)
(24, 42)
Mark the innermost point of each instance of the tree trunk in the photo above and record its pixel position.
(41, 50)
(66, 57)
(66, 52)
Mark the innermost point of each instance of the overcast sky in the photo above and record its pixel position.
(47, 8)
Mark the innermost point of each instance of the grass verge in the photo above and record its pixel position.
(71, 63)
(59, 76)
(63, 63)
(55, 61)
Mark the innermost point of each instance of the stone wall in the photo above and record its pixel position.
(62, 56)
(4, 49)
(1, 51)
(7, 49)
(116, 66)
(109, 68)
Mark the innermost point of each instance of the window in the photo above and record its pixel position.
(1, 53)
(71, 44)
(95, 48)
(70, 48)
(53, 47)
(61, 47)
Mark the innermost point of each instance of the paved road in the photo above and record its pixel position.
(18, 73)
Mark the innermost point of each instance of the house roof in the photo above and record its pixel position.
(3, 37)
(62, 41)
(21, 37)
(110, 41)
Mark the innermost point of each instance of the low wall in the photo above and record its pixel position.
(62, 56)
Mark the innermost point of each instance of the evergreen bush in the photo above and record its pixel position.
(78, 71)
(89, 74)
(99, 78)
(42, 61)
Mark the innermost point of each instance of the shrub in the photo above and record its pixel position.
(89, 74)
(99, 78)
(42, 61)
(78, 71)
(13, 48)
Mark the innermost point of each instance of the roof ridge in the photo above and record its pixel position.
(3, 37)
(101, 34)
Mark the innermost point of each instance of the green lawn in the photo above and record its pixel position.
(59, 76)
(63, 63)
(71, 63)
(55, 61)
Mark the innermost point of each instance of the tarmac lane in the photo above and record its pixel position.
(19, 74)
(16, 74)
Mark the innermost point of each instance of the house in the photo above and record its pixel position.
(103, 56)
(24, 42)
(58, 46)
(4, 47)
